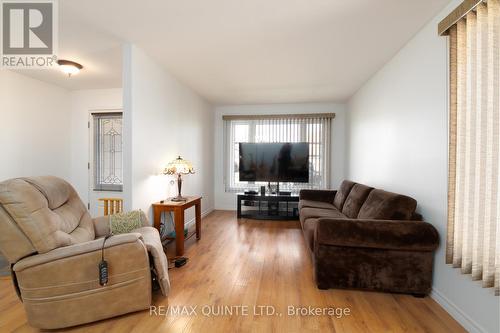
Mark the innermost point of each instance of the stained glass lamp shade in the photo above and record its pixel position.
(179, 167)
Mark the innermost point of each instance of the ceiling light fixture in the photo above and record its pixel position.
(69, 67)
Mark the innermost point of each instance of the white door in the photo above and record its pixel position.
(105, 157)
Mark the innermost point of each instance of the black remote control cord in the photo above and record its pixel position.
(102, 249)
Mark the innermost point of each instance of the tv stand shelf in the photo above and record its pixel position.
(268, 207)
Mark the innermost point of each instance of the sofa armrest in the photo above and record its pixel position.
(75, 250)
(101, 224)
(377, 234)
(318, 195)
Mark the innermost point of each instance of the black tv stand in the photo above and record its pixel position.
(268, 207)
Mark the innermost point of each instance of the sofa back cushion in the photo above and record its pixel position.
(355, 200)
(385, 205)
(342, 193)
(47, 210)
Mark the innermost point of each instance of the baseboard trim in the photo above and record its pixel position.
(467, 322)
(203, 214)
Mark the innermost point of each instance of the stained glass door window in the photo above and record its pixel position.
(108, 152)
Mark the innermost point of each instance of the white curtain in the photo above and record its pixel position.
(473, 243)
(314, 129)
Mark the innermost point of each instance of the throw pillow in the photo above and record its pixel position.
(123, 223)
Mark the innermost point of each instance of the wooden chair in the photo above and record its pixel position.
(112, 205)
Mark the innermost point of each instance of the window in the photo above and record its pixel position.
(314, 129)
(108, 152)
(473, 240)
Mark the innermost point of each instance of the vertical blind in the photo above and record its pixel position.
(473, 240)
(313, 129)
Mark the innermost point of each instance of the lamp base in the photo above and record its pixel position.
(178, 199)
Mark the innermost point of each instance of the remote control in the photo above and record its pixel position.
(103, 273)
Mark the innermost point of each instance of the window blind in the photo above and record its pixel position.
(473, 240)
(314, 129)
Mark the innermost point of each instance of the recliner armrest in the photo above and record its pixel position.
(101, 226)
(377, 234)
(75, 250)
(318, 195)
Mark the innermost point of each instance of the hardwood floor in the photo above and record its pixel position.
(246, 263)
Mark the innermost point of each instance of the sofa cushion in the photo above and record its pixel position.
(315, 204)
(355, 200)
(310, 212)
(385, 205)
(317, 195)
(378, 234)
(342, 194)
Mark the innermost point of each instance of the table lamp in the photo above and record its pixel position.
(179, 167)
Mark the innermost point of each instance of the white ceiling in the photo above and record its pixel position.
(242, 51)
(97, 50)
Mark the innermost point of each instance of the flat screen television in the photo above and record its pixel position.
(274, 162)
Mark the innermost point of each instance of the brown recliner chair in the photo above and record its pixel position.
(54, 248)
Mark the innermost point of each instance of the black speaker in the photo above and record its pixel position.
(262, 190)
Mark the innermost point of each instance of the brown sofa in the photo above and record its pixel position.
(54, 248)
(366, 238)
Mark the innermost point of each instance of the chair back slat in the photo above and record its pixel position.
(112, 205)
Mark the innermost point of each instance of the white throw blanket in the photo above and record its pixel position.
(151, 239)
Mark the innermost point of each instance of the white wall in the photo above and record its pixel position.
(83, 102)
(43, 129)
(227, 201)
(397, 140)
(34, 128)
(163, 119)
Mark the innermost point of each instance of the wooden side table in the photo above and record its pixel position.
(178, 207)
